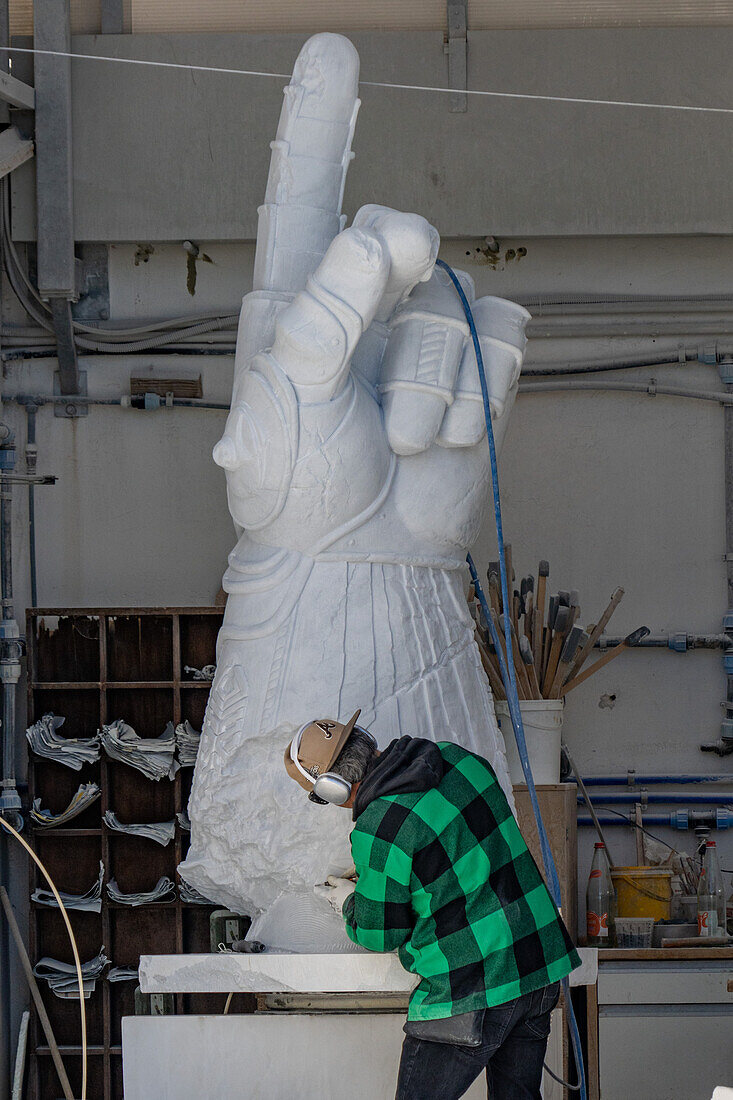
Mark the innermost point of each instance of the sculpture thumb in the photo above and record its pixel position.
(225, 453)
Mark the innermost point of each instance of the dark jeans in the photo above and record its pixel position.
(514, 1040)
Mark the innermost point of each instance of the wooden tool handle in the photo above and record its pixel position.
(562, 619)
(574, 640)
(25, 963)
(495, 593)
(526, 651)
(534, 683)
(543, 573)
(554, 657)
(522, 678)
(596, 632)
(627, 643)
(495, 683)
(509, 566)
(529, 617)
(537, 638)
(557, 690)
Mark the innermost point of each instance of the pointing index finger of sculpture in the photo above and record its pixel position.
(310, 156)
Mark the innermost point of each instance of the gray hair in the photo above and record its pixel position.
(355, 757)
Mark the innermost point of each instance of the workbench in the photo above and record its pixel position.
(659, 1023)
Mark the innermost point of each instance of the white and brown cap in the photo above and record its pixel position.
(315, 748)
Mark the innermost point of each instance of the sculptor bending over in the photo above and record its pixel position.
(357, 476)
(443, 876)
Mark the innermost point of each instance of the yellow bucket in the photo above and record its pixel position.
(643, 891)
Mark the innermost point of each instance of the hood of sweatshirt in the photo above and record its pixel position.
(407, 765)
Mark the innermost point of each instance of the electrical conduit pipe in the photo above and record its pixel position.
(508, 670)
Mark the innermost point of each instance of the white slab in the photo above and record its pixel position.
(274, 973)
(277, 1057)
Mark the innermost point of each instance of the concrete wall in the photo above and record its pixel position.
(506, 165)
(614, 489)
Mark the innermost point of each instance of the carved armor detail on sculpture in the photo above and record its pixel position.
(357, 476)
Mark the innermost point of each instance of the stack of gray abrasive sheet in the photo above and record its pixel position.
(62, 977)
(44, 819)
(122, 974)
(90, 902)
(189, 894)
(187, 743)
(184, 821)
(164, 890)
(162, 832)
(153, 756)
(74, 752)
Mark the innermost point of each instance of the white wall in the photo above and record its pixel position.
(614, 489)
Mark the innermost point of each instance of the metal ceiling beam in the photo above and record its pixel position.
(16, 93)
(57, 281)
(14, 150)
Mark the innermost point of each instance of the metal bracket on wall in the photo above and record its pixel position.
(63, 327)
(70, 409)
(457, 50)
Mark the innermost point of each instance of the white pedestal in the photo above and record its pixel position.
(276, 1057)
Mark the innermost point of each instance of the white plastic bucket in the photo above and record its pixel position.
(542, 720)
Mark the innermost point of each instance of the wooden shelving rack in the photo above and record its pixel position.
(92, 666)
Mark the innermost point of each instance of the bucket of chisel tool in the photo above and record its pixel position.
(542, 720)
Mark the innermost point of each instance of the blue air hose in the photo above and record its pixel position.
(508, 671)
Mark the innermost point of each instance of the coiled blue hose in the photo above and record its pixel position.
(508, 672)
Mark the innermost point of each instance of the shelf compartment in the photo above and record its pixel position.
(48, 1086)
(67, 648)
(56, 785)
(148, 710)
(80, 708)
(139, 647)
(198, 642)
(136, 799)
(137, 863)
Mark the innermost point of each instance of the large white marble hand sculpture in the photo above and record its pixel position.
(357, 474)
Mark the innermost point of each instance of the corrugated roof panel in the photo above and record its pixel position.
(192, 16)
(85, 16)
(153, 16)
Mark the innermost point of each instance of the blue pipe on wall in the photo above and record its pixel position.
(606, 819)
(631, 779)
(668, 799)
(677, 819)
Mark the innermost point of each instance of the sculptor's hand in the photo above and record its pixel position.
(356, 390)
(335, 891)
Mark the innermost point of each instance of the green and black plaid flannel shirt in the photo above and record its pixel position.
(446, 878)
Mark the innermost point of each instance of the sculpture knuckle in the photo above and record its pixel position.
(311, 343)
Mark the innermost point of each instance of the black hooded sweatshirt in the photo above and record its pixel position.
(407, 765)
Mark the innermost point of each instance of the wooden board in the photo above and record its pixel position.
(558, 805)
(662, 954)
